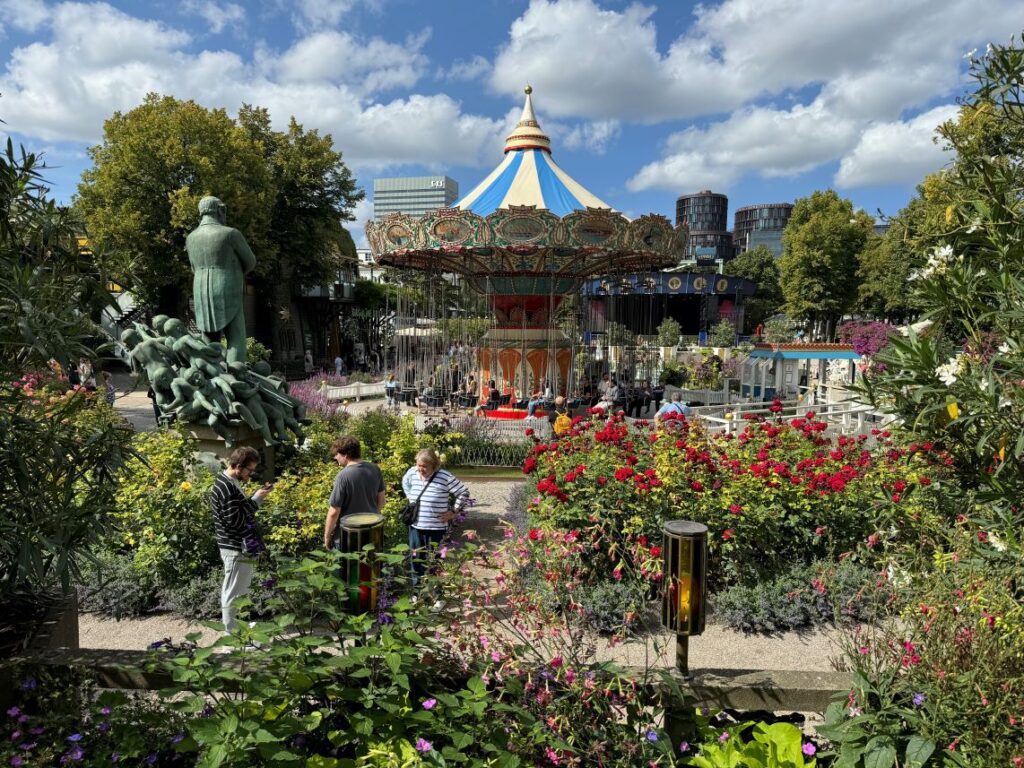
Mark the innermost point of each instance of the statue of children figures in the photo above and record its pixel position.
(220, 258)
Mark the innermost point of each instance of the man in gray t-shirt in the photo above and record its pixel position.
(359, 487)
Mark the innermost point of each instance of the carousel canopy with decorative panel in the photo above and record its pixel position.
(526, 237)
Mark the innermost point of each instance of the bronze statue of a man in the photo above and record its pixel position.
(220, 258)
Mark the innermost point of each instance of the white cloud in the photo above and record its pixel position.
(596, 136)
(590, 62)
(217, 16)
(100, 60)
(466, 69)
(369, 66)
(759, 139)
(899, 152)
(23, 15)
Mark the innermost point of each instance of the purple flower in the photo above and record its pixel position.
(29, 684)
(13, 712)
(385, 618)
(28, 746)
(75, 737)
(919, 699)
(207, 711)
(178, 738)
(73, 755)
(115, 757)
(422, 745)
(16, 735)
(652, 736)
(103, 727)
(430, 703)
(23, 719)
(724, 736)
(37, 730)
(268, 583)
(151, 758)
(684, 746)
(106, 711)
(16, 761)
(159, 644)
(809, 749)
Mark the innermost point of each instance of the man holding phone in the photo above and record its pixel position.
(234, 522)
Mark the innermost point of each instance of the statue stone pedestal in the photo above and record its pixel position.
(241, 435)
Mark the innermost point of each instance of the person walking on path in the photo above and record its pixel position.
(358, 487)
(234, 523)
(109, 393)
(432, 487)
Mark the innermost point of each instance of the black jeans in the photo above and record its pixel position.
(421, 540)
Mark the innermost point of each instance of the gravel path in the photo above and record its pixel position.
(718, 648)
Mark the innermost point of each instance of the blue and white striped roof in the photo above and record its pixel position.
(528, 176)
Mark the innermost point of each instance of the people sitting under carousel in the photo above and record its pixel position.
(542, 396)
(493, 398)
(609, 397)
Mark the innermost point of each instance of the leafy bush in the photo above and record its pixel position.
(803, 597)
(114, 587)
(612, 607)
(723, 334)
(669, 332)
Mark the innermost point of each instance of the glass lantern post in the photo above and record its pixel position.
(685, 552)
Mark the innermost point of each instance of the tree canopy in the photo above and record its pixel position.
(760, 266)
(821, 245)
(288, 192)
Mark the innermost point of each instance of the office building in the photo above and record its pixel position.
(706, 215)
(763, 224)
(414, 195)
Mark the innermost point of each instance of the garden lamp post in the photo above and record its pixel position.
(361, 576)
(685, 549)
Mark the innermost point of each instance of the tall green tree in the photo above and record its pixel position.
(139, 199)
(821, 244)
(760, 266)
(289, 192)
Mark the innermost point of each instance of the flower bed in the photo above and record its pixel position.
(777, 493)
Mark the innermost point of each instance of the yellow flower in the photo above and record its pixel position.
(953, 410)
(186, 486)
(949, 214)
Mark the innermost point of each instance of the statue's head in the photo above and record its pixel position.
(174, 327)
(158, 321)
(195, 377)
(212, 206)
(131, 337)
(262, 368)
(238, 369)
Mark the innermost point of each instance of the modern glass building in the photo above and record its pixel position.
(768, 220)
(706, 214)
(414, 195)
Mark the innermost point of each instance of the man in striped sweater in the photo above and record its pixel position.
(429, 527)
(234, 522)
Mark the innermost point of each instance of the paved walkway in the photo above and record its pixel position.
(717, 648)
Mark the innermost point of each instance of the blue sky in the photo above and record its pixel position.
(765, 100)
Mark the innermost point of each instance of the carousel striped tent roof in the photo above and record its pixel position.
(528, 176)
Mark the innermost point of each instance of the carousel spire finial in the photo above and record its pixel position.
(527, 134)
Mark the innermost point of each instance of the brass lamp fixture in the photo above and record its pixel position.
(685, 552)
(358, 531)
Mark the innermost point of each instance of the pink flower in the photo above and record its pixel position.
(430, 703)
(422, 745)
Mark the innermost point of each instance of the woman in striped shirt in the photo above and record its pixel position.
(434, 513)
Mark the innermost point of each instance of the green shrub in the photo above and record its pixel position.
(614, 606)
(114, 587)
(801, 598)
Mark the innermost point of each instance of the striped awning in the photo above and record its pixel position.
(528, 176)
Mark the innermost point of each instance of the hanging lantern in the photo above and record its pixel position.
(685, 548)
(625, 285)
(358, 531)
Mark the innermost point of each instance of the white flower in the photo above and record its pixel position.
(938, 260)
(947, 373)
(970, 54)
(1004, 348)
(998, 544)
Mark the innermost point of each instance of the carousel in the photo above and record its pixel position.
(522, 243)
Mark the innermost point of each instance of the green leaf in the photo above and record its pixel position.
(880, 753)
(919, 749)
